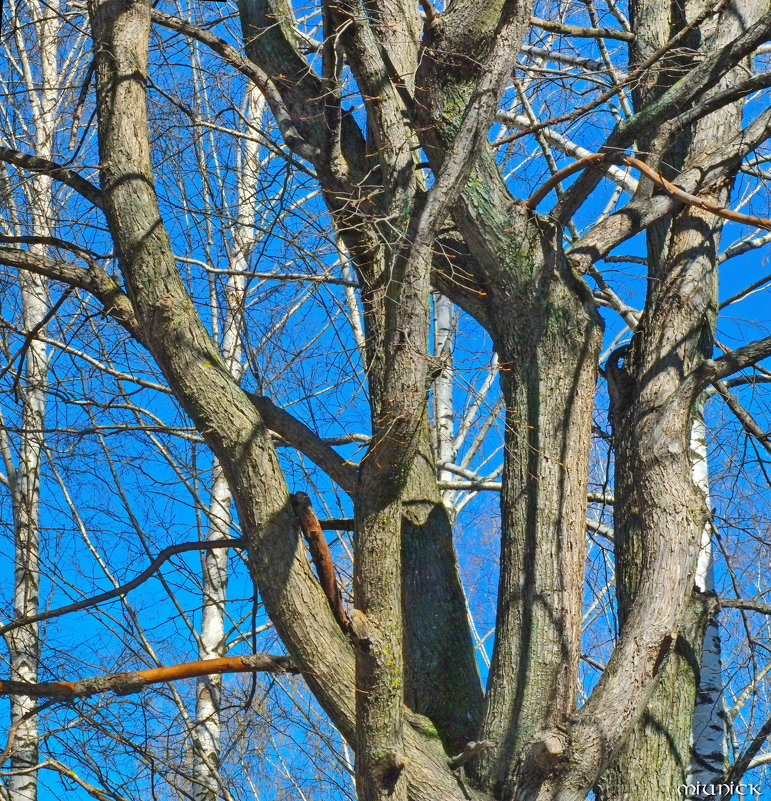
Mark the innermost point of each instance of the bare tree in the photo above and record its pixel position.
(433, 222)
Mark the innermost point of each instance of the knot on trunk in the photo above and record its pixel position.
(362, 629)
(541, 758)
(387, 770)
(547, 751)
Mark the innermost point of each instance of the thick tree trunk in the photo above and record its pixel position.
(680, 738)
(670, 342)
(441, 676)
(682, 270)
(548, 355)
(441, 679)
(224, 414)
(547, 335)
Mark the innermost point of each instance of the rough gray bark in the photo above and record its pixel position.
(682, 254)
(222, 411)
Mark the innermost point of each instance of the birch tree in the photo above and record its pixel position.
(36, 56)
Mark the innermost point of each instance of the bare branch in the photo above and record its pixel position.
(743, 416)
(93, 280)
(56, 171)
(744, 603)
(563, 29)
(739, 359)
(123, 589)
(135, 681)
(594, 159)
(299, 436)
(322, 558)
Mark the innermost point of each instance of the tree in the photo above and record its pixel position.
(427, 217)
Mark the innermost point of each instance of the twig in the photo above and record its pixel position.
(632, 76)
(743, 416)
(15, 725)
(117, 592)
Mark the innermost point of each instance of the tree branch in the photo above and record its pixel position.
(639, 213)
(56, 171)
(94, 280)
(580, 32)
(739, 359)
(744, 603)
(123, 589)
(307, 442)
(322, 558)
(134, 681)
(743, 416)
(595, 159)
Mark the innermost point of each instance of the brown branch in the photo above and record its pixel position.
(735, 360)
(133, 681)
(123, 589)
(581, 32)
(597, 159)
(299, 436)
(322, 558)
(744, 603)
(707, 171)
(94, 280)
(56, 171)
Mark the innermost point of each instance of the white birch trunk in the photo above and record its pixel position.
(207, 729)
(23, 643)
(444, 427)
(708, 729)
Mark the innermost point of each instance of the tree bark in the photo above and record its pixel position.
(548, 353)
(682, 255)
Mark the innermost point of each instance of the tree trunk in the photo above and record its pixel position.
(548, 372)
(23, 643)
(682, 269)
(207, 730)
